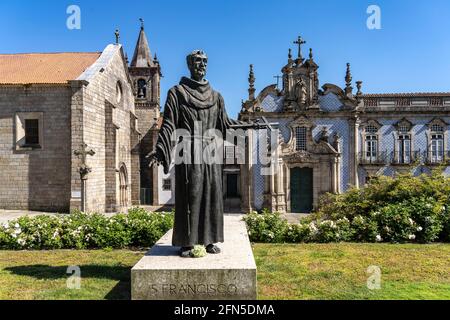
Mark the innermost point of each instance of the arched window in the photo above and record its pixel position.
(142, 89)
(371, 144)
(119, 92)
(404, 149)
(123, 186)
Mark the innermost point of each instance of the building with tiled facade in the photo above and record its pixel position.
(333, 138)
(75, 128)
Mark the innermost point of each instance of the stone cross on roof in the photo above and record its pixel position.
(299, 42)
(117, 34)
(278, 79)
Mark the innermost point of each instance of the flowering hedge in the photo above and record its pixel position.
(78, 230)
(404, 209)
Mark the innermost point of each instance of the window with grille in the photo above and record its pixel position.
(437, 128)
(404, 128)
(371, 129)
(31, 132)
(167, 185)
(300, 136)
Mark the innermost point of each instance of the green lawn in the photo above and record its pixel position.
(338, 271)
(303, 271)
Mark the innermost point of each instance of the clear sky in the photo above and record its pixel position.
(411, 51)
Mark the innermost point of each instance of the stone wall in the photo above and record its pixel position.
(36, 179)
(103, 101)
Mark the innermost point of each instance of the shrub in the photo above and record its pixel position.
(78, 230)
(266, 227)
(402, 209)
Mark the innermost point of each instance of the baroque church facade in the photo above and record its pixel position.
(332, 138)
(75, 129)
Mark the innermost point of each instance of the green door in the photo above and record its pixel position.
(301, 190)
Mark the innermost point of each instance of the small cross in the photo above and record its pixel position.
(278, 79)
(117, 33)
(83, 153)
(299, 41)
(142, 23)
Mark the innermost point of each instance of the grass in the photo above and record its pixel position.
(339, 271)
(302, 271)
(42, 275)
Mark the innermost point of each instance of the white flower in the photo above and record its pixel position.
(378, 238)
(411, 221)
(411, 237)
(5, 225)
(17, 226)
(429, 206)
(419, 229)
(14, 235)
(312, 227)
(21, 242)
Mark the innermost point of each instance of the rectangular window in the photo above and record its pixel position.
(167, 185)
(300, 135)
(371, 148)
(437, 148)
(29, 128)
(31, 132)
(404, 149)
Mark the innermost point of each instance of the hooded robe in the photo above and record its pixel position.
(198, 187)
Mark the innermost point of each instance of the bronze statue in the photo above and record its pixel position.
(198, 186)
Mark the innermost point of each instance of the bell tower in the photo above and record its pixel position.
(145, 72)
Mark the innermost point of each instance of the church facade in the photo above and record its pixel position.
(75, 129)
(332, 138)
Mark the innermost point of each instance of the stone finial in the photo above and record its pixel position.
(126, 58)
(359, 86)
(251, 82)
(348, 81)
(290, 55)
(311, 54)
(117, 34)
(155, 59)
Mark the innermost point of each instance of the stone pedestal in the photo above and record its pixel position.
(231, 275)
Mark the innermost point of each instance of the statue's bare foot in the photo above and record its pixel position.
(213, 249)
(186, 252)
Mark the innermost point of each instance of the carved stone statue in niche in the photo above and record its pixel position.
(301, 91)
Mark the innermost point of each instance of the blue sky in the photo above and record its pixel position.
(411, 52)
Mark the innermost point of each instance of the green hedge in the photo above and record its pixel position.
(78, 230)
(404, 209)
